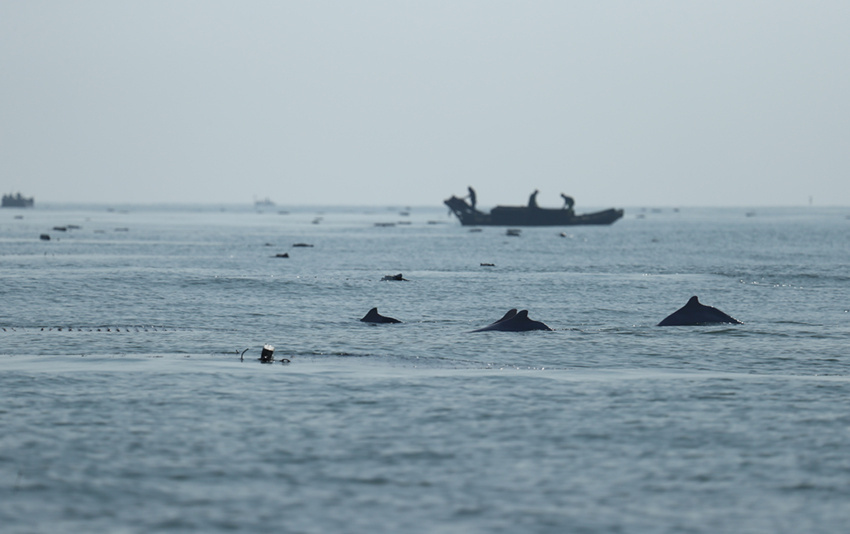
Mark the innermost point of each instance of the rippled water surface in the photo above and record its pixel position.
(126, 406)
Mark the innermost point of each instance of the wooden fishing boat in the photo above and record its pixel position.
(527, 215)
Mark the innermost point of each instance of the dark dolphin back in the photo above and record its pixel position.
(695, 313)
(374, 317)
(514, 321)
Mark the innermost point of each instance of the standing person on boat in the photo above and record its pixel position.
(532, 200)
(471, 196)
(568, 202)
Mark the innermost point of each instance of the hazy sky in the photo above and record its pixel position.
(627, 103)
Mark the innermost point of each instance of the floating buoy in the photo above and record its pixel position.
(267, 355)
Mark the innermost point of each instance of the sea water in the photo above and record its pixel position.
(128, 401)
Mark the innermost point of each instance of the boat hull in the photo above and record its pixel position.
(525, 216)
(17, 201)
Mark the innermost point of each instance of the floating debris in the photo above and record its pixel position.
(281, 255)
(303, 245)
(267, 354)
(394, 277)
(513, 232)
(44, 237)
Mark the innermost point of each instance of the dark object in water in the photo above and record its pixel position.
(302, 245)
(267, 355)
(488, 265)
(514, 321)
(513, 232)
(60, 228)
(282, 255)
(694, 313)
(527, 215)
(394, 277)
(374, 317)
(17, 201)
(44, 237)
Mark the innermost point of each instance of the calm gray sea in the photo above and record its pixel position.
(125, 407)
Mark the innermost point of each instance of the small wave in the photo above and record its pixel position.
(119, 329)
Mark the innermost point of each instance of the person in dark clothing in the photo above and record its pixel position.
(568, 201)
(471, 196)
(532, 200)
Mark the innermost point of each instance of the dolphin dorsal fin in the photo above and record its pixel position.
(370, 315)
(508, 315)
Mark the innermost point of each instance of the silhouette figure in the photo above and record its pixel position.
(471, 196)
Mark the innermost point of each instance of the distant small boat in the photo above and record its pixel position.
(264, 203)
(17, 201)
(527, 215)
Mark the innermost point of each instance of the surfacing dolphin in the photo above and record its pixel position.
(514, 321)
(694, 313)
(374, 317)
